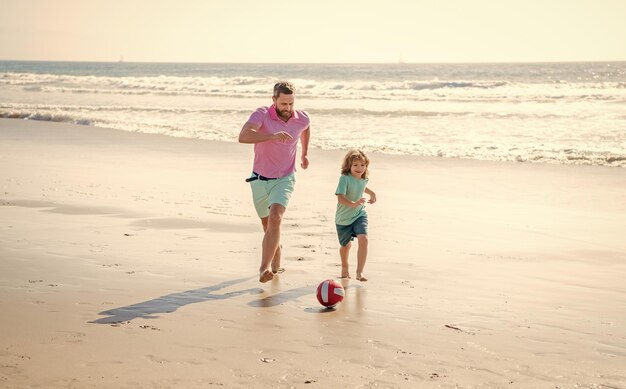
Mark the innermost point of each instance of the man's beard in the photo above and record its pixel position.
(284, 114)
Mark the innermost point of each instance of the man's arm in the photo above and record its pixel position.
(250, 134)
(304, 139)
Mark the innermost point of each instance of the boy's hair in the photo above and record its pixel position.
(283, 87)
(353, 155)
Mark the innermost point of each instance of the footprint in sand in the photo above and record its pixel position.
(146, 327)
(120, 323)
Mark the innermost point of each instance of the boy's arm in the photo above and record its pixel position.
(250, 134)
(342, 199)
(372, 195)
(304, 139)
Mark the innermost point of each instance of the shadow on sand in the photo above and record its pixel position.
(169, 303)
(166, 304)
(279, 298)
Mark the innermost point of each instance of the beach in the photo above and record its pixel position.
(130, 260)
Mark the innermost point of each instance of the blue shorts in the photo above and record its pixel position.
(268, 192)
(347, 233)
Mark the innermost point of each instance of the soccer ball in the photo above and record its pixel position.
(330, 293)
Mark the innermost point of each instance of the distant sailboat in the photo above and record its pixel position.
(121, 60)
(400, 59)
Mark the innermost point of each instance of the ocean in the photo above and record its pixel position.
(563, 113)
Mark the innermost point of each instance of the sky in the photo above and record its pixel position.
(313, 31)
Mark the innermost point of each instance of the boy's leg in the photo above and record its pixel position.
(361, 256)
(344, 253)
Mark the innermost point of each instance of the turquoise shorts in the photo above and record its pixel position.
(268, 192)
(347, 233)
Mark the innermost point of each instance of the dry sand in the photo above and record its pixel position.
(130, 261)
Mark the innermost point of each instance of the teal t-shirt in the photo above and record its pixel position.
(353, 189)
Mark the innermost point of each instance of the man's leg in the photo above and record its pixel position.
(271, 241)
(276, 259)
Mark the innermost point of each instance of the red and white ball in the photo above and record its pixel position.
(330, 293)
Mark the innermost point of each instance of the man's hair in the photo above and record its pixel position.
(353, 155)
(283, 87)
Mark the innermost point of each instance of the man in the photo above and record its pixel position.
(275, 131)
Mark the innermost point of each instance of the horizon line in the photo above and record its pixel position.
(316, 63)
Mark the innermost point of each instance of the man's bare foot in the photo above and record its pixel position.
(276, 261)
(345, 276)
(361, 277)
(265, 276)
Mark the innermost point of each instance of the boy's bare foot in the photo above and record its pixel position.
(265, 275)
(345, 271)
(279, 270)
(361, 277)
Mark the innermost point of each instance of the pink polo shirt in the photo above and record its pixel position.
(275, 159)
